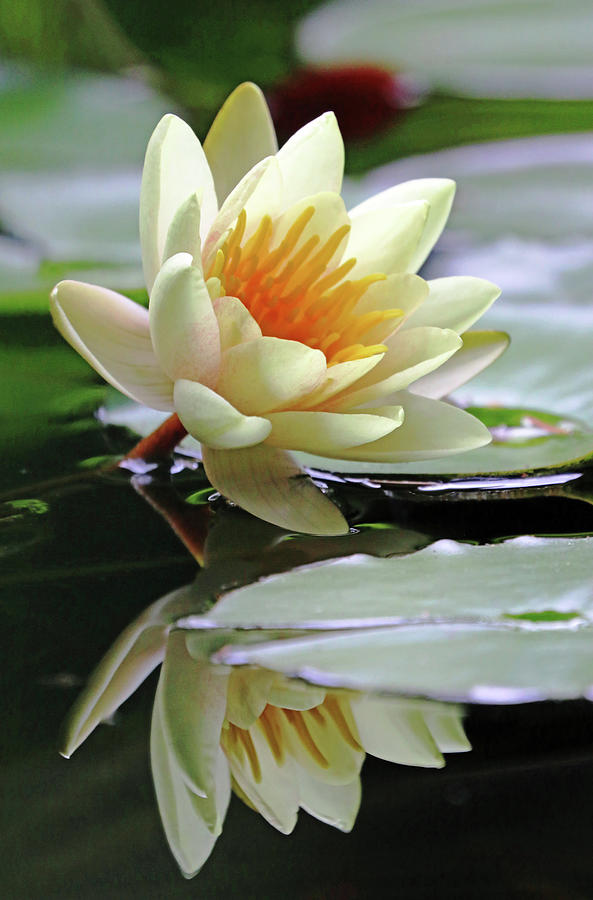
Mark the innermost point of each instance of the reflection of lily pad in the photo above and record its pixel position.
(419, 625)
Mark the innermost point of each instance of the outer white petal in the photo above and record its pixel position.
(213, 421)
(312, 160)
(183, 323)
(235, 323)
(395, 730)
(269, 484)
(189, 836)
(437, 192)
(410, 355)
(454, 302)
(334, 804)
(327, 434)
(241, 135)
(193, 703)
(175, 168)
(111, 333)
(480, 349)
(269, 373)
(385, 239)
(133, 656)
(431, 428)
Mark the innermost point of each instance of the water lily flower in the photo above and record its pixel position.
(277, 321)
(279, 744)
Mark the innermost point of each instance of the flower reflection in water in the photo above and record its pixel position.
(280, 744)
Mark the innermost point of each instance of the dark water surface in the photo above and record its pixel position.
(510, 819)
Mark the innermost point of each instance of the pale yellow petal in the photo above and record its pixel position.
(480, 349)
(175, 168)
(327, 434)
(235, 323)
(111, 333)
(312, 160)
(241, 135)
(183, 324)
(213, 421)
(455, 302)
(438, 193)
(385, 239)
(269, 373)
(269, 484)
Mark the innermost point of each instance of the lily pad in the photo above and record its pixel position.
(517, 577)
(383, 625)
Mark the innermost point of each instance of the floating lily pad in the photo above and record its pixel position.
(521, 576)
(503, 623)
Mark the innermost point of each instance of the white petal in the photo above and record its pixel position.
(190, 838)
(247, 695)
(211, 419)
(235, 323)
(241, 135)
(275, 793)
(111, 333)
(269, 373)
(398, 291)
(292, 694)
(183, 235)
(133, 656)
(454, 302)
(269, 484)
(312, 160)
(445, 723)
(183, 324)
(259, 192)
(395, 730)
(338, 378)
(431, 428)
(480, 349)
(385, 239)
(437, 192)
(334, 804)
(175, 167)
(327, 434)
(328, 216)
(193, 704)
(410, 355)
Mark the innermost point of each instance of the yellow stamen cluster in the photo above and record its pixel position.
(273, 722)
(294, 292)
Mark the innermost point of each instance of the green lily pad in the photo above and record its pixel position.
(420, 625)
(522, 576)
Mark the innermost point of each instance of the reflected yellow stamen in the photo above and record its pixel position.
(247, 742)
(332, 705)
(271, 730)
(296, 720)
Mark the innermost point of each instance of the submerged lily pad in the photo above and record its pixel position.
(503, 623)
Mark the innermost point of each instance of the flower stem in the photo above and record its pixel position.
(158, 445)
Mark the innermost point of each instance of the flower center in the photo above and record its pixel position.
(293, 291)
(279, 725)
